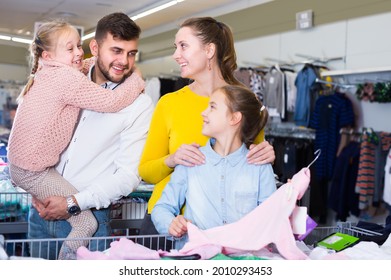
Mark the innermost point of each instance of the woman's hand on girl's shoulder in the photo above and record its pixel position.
(261, 153)
(187, 155)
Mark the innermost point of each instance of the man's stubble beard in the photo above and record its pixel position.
(106, 74)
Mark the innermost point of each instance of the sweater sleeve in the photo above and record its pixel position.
(86, 94)
(152, 167)
(87, 63)
(260, 138)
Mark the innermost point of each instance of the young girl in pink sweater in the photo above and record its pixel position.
(47, 115)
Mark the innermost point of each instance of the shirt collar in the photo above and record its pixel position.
(233, 158)
(108, 84)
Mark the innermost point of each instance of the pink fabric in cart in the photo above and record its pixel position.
(268, 223)
(124, 249)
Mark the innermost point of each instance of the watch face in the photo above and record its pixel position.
(74, 210)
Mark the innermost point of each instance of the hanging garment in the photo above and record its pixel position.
(304, 81)
(291, 91)
(387, 180)
(342, 198)
(152, 89)
(274, 96)
(244, 76)
(257, 84)
(332, 112)
(380, 161)
(365, 183)
(266, 224)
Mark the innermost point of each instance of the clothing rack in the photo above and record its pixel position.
(279, 61)
(251, 64)
(349, 131)
(290, 131)
(317, 80)
(324, 60)
(361, 75)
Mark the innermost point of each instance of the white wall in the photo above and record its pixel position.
(363, 43)
(159, 66)
(13, 72)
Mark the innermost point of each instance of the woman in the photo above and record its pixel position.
(205, 53)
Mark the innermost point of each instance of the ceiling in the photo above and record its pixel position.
(248, 18)
(17, 17)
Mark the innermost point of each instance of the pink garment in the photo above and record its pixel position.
(45, 120)
(124, 249)
(268, 223)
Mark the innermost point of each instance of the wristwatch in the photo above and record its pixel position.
(73, 208)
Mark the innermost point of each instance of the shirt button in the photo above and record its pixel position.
(84, 118)
(74, 140)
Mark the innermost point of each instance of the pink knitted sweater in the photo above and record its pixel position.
(47, 116)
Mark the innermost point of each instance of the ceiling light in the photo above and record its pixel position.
(21, 40)
(15, 39)
(143, 14)
(3, 37)
(88, 36)
(154, 10)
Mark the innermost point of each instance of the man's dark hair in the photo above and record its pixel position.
(119, 25)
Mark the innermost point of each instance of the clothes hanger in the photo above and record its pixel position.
(317, 153)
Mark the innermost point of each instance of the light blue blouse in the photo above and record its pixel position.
(221, 191)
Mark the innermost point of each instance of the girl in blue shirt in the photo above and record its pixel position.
(226, 187)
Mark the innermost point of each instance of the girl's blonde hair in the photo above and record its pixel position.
(45, 39)
(254, 114)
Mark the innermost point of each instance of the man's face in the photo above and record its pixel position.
(114, 58)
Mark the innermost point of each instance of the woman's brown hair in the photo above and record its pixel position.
(209, 31)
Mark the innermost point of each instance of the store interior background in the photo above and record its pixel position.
(357, 32)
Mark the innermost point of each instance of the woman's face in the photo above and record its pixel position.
(190, 54)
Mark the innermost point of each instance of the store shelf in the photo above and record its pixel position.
(360, 76)
(289, 130)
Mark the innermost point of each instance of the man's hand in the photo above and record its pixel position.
(52, 208)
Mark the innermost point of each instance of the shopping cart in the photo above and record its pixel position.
(349, 228)
(126, 217)
(50, 247)
(127, 213)
(14, 209)
(14, 248)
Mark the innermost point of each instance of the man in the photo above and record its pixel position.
(102, 159)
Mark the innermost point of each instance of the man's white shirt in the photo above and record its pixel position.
(102, 158)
